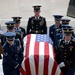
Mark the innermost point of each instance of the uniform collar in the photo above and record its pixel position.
(17, 28)
(37, 18)
(11, 44)
(67, 41)
(58, 26)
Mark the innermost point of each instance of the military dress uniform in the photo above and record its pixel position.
(12, 56)
(56, 32)
(66, 55)
(19, 30)
(36, 25)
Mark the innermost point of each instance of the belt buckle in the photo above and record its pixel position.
(36, 31)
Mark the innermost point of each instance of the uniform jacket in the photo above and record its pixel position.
(37, 25)
(11, 57)
(55, 34)
(66, 53)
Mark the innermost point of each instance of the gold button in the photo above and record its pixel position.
(65, 50)
(36, 31)
(70, 49)
(65, 56)
(32, 27)
(64, 59)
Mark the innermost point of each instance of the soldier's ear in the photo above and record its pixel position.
(70, 34)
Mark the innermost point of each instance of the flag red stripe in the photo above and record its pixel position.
(27, 64)
(61, 73)
(36, 56)
(46, 58)
(54, 68)
(22, 71)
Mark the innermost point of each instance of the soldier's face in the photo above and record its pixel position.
(67, 36)
(37, 13)
(10, 42)
(17, 25)
(57, 23)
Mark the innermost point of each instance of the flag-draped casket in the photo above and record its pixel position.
(38, 56)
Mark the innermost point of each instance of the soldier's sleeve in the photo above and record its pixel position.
(8, 57)
(29, 26)
(45, 26)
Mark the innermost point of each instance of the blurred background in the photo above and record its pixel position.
(23, 8)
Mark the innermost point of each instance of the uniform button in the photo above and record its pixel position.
(15, 55)
(71, 50)
(32, 27)
(65, 50)
(51, 32)
(65, 56)
(16, 59)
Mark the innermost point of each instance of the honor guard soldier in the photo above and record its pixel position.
(12, 56)
(10, 28)
(36, 23)
(18, 29)
(55, 31)
(66, 53)
(17, 26)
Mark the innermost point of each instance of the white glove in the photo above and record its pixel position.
(61, 65)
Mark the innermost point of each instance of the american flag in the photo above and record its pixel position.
(39, 56)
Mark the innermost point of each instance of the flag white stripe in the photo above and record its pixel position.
(24, 41)
(51, 62)
(24, 46)
(23, 65)
(51, 51)
(41, 58)
(31, 54)
(58, 71)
